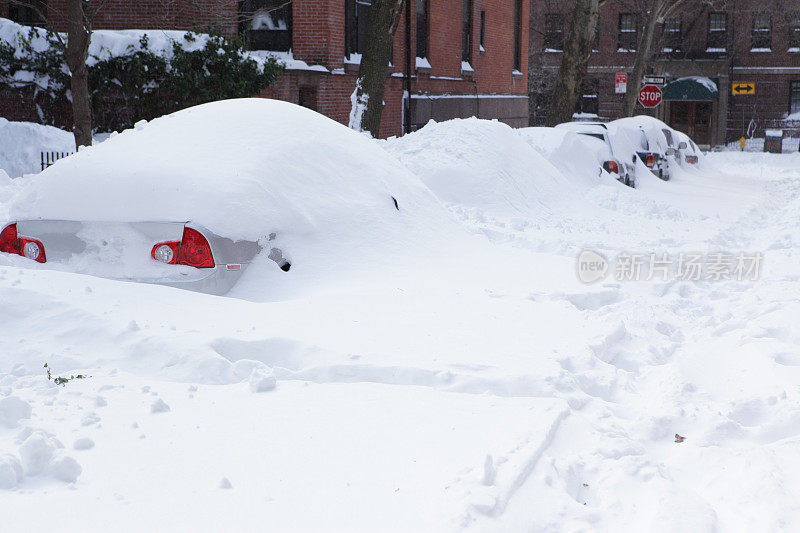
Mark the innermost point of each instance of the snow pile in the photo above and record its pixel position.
(21, 145)
(485, 165)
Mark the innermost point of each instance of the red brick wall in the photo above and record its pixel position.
(318, 39)
(149, 14)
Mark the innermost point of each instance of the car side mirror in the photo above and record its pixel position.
(682, 145)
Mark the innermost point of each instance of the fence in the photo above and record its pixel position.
(48, 158)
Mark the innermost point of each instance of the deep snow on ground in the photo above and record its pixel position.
(23, 143)
(477, 386)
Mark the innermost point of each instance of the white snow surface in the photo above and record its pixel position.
(23, 143)
(453, 382)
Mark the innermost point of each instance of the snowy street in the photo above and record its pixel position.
(475, 386)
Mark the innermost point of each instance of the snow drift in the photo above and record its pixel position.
(23, 142)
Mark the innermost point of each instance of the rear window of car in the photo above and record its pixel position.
(595, 135)
(668, 135)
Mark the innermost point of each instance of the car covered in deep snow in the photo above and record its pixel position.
(193, 198)
(647, 136)
(614, 150)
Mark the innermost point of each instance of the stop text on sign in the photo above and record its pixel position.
(650, 96)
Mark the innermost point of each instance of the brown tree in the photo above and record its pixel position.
(367, 99)
(654, 12)
(574, 61)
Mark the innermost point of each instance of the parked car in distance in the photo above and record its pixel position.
(614, 160)
(689, 154)
(652, 140)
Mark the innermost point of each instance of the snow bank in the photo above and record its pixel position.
(482, 164)
(21, 145)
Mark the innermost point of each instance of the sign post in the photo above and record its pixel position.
(621, 83)
(650, 96)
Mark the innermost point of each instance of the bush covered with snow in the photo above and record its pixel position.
(133, 75)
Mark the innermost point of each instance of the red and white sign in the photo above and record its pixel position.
(650, 96)
(621, 83)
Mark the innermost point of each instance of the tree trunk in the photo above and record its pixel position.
(574, 62)
(78, 37)
(642, 59)
(367, 99)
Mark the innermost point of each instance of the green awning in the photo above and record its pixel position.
(693, 89)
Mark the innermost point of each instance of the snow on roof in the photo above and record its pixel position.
(243, 169)
(708, 83)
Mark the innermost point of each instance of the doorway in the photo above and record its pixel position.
(693, 119)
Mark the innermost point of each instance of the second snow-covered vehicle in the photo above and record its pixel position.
(614, 157)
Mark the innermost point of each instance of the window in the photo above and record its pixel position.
(466, 31)
(266, 24)
(483, 31)
(794, 32)
(762, 32)
(356, 13)
(673, 36)
(517, 35)
(794, 101)
(422, 28)
(589, 103)
(628, 38)
(554, 32)
(308, 97)
(717, 40)
(29, 13)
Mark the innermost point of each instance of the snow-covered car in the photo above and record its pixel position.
(615, 159)
(690, 153)
(194, 198)
(646, 135)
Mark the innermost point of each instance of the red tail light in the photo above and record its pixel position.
(193, 250)
(11, 243)
(651, 161)
(611, 166)
(691, 159)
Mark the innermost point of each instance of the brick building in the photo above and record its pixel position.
(701, 50)
(467, 57)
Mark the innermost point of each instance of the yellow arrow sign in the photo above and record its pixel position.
(743, 88)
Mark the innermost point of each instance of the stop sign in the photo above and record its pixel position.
(650, 96)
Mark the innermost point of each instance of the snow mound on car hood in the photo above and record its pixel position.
(482, 164)
(244, 169)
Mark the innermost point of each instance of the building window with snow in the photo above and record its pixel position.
(794, 32)
(762, 33)
(356, 13)
(422, 28)
(717, 40)
(794, 99)
(628, 37)
(466, 31)
(554, 32)
(29, 12)
(673, 35)
(266, 24)
(588, 105)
